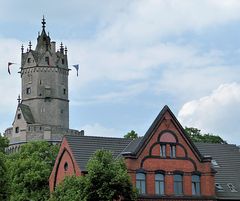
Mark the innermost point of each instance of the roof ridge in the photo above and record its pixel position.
(98, 137)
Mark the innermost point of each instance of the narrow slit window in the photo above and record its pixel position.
(173, 151)
(163, 150)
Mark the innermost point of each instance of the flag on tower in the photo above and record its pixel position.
(76, 66)
(9, 64)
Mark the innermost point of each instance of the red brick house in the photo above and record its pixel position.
(164, 164)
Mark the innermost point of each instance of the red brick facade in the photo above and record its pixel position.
(186, 161)
(60, 170)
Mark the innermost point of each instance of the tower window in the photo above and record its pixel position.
(18, 116)
(28, 91)
(29, 60)
(40, 82)
(47, 60)
(17, 130)
(62, 61)
(61, 111)
(64, 91)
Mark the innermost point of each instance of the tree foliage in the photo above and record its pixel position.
(3, 143)
(30, 169)
(4, 181)
(131, 135)
(196, 136)
(107, 180)
(70, 189)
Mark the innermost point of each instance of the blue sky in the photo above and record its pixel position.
(135, 57)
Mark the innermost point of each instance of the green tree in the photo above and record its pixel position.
(30, 169)
(196, 136)
(131, 135)
(70, 189)
(3, 143)
(4, 181)
(107, 180)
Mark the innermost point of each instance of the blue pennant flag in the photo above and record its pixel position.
(76, 66)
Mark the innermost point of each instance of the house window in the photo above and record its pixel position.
(141, 183)
(159, 184)
(173, 151)
(195, 185)
(163, 150)
(18, 116)
(28, 90)
(178, 184)
(17, 130)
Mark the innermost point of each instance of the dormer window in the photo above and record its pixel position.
(232, 187)
(19, 116)
(47, 60)
(219, 187)
(29, 60)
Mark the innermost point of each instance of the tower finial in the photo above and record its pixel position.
(61, 48)
(30, 46)
(22, 48)
(43, 22)
(66, 50)
(19, 99)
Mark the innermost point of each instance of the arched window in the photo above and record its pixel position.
(141, 183)
(195, 185)
(159, 184)
(178, 184)
(66, 166)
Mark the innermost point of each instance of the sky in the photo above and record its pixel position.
(135, 56)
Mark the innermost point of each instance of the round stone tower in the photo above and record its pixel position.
(43, 111)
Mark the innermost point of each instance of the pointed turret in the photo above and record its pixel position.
(43, 40)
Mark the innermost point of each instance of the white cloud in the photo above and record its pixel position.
(97, 129)
(217, 113)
